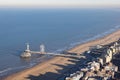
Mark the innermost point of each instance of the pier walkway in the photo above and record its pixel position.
(57, 54)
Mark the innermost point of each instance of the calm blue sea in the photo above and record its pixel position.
(57, 29)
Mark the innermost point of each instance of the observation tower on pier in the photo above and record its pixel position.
(26, 53)
(42, 49)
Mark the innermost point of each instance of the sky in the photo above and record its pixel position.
(60, 3)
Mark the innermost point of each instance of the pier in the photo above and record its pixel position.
(28, 53)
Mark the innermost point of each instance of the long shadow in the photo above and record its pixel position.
(65, 70)
(47, 76)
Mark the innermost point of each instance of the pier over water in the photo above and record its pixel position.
(28, 53)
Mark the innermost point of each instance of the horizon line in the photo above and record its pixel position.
(64, 6)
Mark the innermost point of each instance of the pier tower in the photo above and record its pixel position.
(42, 49)
(28, 48)
(26, 53)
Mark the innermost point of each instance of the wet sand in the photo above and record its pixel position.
(53, 68)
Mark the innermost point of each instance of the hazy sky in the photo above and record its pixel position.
(60, 3)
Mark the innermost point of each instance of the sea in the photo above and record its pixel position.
(57, 29)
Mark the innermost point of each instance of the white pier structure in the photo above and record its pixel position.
(28, 52)
(42, 49)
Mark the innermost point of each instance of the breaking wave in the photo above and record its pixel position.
(11, 70)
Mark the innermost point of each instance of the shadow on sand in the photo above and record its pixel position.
(62, 73)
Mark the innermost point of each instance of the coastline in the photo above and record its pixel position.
(98, 41)
(53, 66)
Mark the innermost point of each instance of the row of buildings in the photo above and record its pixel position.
(100, 67)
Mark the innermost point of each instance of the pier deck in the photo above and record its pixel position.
(57, 54)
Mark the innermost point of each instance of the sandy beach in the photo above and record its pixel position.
(53, 68)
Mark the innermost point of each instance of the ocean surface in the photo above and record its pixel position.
(57, 29)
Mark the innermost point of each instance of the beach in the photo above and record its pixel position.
(53, 68)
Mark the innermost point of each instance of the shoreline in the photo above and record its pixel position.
(54, 66)
(99, 41)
